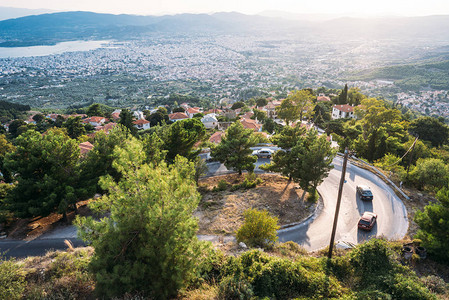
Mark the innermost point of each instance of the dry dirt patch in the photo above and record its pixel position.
(221, 212)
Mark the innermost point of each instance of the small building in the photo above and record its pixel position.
(142, 124)
(251, 124)
(192, 111)
(323, 98)
(177, 116)
(209, 121)
(216, 137)
(342, 111)
(95, 121)
(106, 128)
(85, 148)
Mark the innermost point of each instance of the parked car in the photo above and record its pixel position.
(263, 152)
(364, 192)
(367, 221)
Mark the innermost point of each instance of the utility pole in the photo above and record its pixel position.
(411, 157)
(337, 209)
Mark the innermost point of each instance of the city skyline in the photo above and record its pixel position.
(344, 7)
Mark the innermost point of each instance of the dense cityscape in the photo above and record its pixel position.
(139, 72)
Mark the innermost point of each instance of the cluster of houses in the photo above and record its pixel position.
(209, 118)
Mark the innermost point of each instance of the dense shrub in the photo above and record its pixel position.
(409, 288)
(221, 186)
(278, 278)
(232, 288)
(259, 229)
(435, 284)
(12, 280)
(371, 260)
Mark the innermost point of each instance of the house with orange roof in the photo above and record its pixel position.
(85, 148)
(106, 128)
(251, 124)
(192, 111)
(115, 116)
(216, 137)
(95, 121)
(342, 111)
(323, 98)
(177, 116)
(142, 124)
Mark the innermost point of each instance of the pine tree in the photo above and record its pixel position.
(234, 149)
(126, 119)
(343, 97)
(148, 243)
(46, 168)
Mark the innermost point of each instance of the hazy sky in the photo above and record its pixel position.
(365, 7)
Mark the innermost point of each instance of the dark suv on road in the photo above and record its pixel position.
(364, 192)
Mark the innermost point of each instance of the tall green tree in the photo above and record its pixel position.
(148, 243)
(284, 161)
(75, 127)
(14, 128)
(314, 160)
(46, 168)
(94, 110)
(5, 148)
(158, 117)
(261, 102)
(430, 173)
(234, 149)
(343, 97)
(303, 102)
(181, 137)
(98, 161)
(126, 119)
(430, 129)
(287, 111)
(434, 226)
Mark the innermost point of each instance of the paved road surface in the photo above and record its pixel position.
(392, 219)
(314, 234)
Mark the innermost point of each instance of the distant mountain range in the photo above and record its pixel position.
(47, 29)
(13, 12)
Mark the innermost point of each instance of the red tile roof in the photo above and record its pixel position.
(344, 107)
(115, 116)
(141, 122)
(95, 119)
(85, 147)
(106, 128)
(252, 124)
(193, 110)
(178, 116)
(216, 137)
(323, 98)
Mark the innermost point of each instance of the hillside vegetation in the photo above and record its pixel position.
(411, 77)
(374, 270)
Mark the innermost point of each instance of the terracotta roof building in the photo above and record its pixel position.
(342, 111)
(216, 137)
(251, 124)
(177, 116)
(85, 147)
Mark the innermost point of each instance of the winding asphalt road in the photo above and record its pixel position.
(392, 221)
(313, 234)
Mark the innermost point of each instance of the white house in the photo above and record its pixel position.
(95, 121)
(138, 114)
(192, 111)
(342, 111)
(210, 120)
(142, 124)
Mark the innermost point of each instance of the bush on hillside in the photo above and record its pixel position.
(12, 280)
(259, 229)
